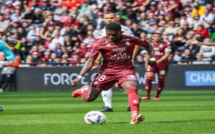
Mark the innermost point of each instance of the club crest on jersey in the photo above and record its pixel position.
(128, 43)
(161, 45)
(108, 45)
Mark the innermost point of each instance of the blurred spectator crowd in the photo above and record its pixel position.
(62, 32)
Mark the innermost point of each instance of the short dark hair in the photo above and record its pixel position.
(113, 26)
(158, 33)
(109, 12)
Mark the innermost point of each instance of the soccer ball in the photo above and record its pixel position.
(95, 117)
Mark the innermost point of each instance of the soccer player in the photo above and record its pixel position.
(117, 66)
(162, 51)
(6, 55)
(107, 95)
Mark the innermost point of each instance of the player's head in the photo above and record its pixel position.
(156, 37)
(113, 31)
(109, 17)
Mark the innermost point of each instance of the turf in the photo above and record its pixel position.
(178, 112)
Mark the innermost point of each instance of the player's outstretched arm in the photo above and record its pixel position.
(97, 61)
(136, 49)
(146, 56)
(87, 67)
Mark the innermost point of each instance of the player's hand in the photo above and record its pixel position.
(75, 82)
(2, 57)
(152, 63)
(158, 62)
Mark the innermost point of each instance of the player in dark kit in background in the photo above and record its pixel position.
(117, 50)
(162, 52)
(6, 55)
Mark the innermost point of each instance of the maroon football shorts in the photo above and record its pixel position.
(159, 69)
(106, 81)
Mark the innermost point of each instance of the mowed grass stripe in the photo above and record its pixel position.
(191, 112)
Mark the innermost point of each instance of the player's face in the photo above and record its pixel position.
(113, 35)
(156, 38)
(108, 18)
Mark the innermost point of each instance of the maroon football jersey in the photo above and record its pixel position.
(160, 49)
(117, 56)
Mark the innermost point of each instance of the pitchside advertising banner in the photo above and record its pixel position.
(200, 78)
(59, 78)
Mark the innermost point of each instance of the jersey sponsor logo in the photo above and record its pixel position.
(120, 56)
(158, 53)
(121, 49)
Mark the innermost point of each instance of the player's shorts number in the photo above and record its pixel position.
(101, 77)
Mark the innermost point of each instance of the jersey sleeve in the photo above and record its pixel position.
(168, 47)
(140, 42)
(127, 31)
(8, 53)
(94, 51)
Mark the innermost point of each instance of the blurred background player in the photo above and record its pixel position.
(117, 51)
(6, 55)
(162, 52)
(8, 72)
(107, 95)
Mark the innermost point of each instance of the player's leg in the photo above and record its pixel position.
(162, 72)
(107, 99)
(88, 93)
(7, 81)
(2, 80)
(133, 100)
(100, 82)
(148, 84)
(160, 86)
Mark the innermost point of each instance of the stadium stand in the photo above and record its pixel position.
(61, 32)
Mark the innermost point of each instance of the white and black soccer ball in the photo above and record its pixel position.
(95, 117)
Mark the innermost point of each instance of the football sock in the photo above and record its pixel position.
(133, 100)
(148, 85)
(160, 87)
(107, 97)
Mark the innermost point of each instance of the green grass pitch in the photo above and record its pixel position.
(178, 112)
